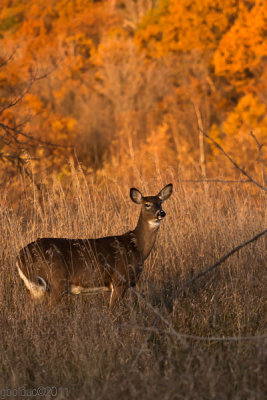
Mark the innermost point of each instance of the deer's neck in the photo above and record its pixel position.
(145, 236)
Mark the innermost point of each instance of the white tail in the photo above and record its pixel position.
(53, 266)
(37, 290)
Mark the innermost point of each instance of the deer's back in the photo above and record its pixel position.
(74, 258)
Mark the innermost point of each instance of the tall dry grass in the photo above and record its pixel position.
(98, 354)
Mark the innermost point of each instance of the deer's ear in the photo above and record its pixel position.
(136, 196)
(165, 193)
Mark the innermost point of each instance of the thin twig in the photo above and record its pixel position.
(261, 156)
(19, 98)
(13, 131)
(216, 180)
(220, 261)
(199, 338)
(234, 163)
(154, 310)
(34, 78)
(160, 316)
(4, 61)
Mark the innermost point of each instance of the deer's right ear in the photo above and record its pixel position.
(136, 196)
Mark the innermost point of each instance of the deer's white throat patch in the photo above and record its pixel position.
(154, 223)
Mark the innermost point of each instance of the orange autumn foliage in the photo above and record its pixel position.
(125, 86)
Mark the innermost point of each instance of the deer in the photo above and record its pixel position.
(52, 267)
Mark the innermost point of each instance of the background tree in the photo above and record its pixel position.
(126, 72)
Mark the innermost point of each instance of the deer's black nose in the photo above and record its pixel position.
(161, 214)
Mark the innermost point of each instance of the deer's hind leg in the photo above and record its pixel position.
(58, 283)
(52, 270)
(117, 294)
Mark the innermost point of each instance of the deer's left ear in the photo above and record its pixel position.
(136, 195)
(165, 193)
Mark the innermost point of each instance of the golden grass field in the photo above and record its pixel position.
(88, 352)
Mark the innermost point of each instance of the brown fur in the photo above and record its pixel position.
(109, 263)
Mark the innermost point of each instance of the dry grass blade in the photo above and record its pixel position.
(156, 345)
(261, 157)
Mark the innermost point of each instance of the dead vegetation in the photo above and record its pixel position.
(131, 352)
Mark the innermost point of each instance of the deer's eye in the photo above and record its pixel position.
(147, 205)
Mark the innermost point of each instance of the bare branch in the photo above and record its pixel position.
(34, 78)
(182, 336)
(220, 261)
(13, 132)
(17, 99)
(21, 164)
(142, 349)
(261, 156)
(32, 141)
(199, 338)
(234, 163)
(14, 136)
(160, 316)
(154, 310)
(5, 61)
(216, 180)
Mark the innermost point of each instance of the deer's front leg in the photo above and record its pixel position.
(117, 294)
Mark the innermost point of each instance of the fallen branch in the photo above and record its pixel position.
(220, 261)
(181, 336)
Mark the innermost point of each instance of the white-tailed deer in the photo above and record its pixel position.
(55, 266)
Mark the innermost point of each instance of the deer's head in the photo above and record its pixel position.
(152, 211)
